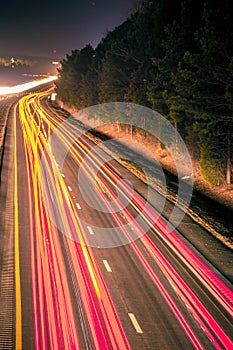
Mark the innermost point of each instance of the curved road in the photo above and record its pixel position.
(77, 270)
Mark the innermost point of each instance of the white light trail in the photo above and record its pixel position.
(8, 90)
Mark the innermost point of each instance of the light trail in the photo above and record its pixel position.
(52, 305)
(9, 90)
(198, 310)
(104, 324)
(54, 321)
(208, 278)
(18, 317)
(223, 294)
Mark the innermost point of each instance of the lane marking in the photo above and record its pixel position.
(106, 264)
(69, 188)
(50, 191)
(67, 198)
(135, 322)
(78, 206)
(63, 175)
(90, 230)
(18, 311)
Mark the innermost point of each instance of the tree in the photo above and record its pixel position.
(178, 38)
(114, 80)
(71, 74)
(174, 56)
(204, 82)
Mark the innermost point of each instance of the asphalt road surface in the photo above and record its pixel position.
(87, 262)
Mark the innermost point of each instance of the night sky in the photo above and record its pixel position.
(53, 28)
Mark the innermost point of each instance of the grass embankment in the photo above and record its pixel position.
(222, 197)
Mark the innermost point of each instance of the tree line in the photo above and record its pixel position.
(14, 62)
(174, 56)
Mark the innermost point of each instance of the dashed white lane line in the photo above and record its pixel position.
(50, 191)
(69, 188)
(106, 264)
(67, 198)
(63, 175)
(135, 322)
(78, 206)
(90, 230)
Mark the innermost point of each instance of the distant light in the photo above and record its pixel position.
(55, 62)
(6, 90)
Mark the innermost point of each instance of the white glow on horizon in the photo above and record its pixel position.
(8, 90)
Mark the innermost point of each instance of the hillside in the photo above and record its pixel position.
(175, 57)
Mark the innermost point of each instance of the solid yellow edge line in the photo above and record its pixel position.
(18, 316)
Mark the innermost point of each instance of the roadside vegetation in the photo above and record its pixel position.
(175, 57)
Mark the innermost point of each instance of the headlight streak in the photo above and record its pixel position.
(55, 324)
(223, 294)
(6, 90)
(207, 277)
(107, 310)
(174, 308)
(18, 316)
(51, 297)
(199, 312)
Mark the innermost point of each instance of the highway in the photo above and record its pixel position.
(86, 261)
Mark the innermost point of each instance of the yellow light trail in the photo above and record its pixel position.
(103, 321)
(160, 228)
(18, 317)
(86, 251)
(47, 261)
